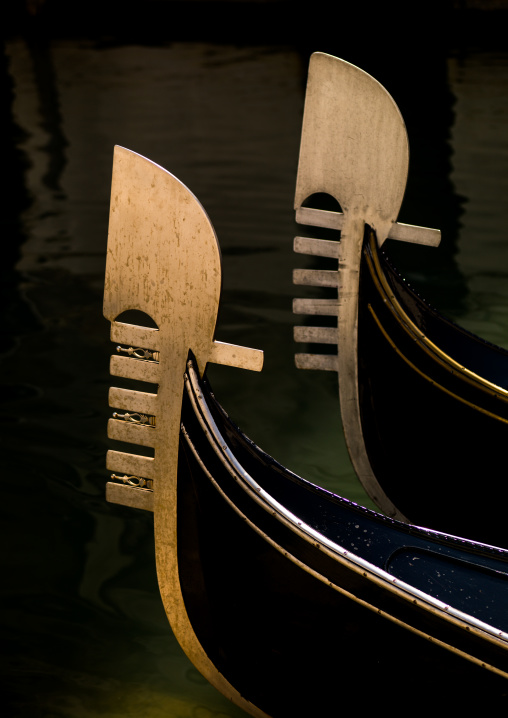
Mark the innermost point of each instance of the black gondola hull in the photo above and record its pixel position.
(286, 621)
(434, 429)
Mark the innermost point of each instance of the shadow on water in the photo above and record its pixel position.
(85, 634)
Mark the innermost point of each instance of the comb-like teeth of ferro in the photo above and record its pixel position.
(316, 247)
(316, 335)
(136, 425)
(316, 307)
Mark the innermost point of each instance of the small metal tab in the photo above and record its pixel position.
(315, 335)
(130, 496)
(325, 362)
(322, 307)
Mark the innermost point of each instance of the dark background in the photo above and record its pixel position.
(213, 91)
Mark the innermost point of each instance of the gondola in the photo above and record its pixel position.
(294, 592)
(291, 600)
(424, 403)
(453, 386)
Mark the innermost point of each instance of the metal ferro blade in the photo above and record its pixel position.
(163, 259)
(354, 147)
(163, 256)
(354, 144)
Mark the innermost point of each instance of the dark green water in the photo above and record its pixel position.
(84, 630)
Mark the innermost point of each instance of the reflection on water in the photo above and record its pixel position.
(480, 176)
(84, 627)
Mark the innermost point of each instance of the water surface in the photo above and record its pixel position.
(85, 631)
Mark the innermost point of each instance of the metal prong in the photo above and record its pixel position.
(316, 247)
(319, 218)
(129, 496)
(132, 433)
(133, 401)
(130, 464)
(132, 334)
(237, 356)
(315, 335)
(325, 362)
(131, 368)
(315, 277)
(399, 231)
(322, 307)
(415, 235)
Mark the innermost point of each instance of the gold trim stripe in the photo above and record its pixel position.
(390, 585)
(427, 378)
(327, 546)
(409, 327)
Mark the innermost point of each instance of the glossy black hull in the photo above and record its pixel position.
(298, 596)
(434, 409)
